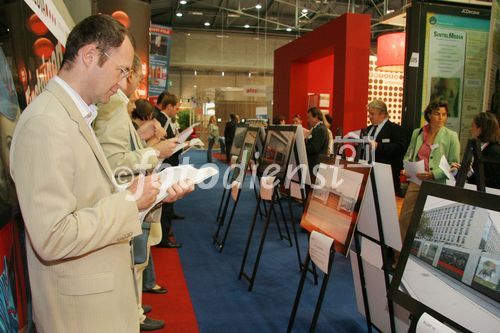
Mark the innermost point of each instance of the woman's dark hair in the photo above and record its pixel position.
(278, 119)
(102, 30)
(329, 119)
(316, 113)
(433, 106)
(488, 123)
(143, 110)
(160, 97)
(169, 99)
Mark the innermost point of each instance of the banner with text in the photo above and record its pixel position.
(159, 58)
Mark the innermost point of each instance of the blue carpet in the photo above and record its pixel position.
(222, 302)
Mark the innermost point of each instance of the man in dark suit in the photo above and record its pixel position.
(317, 141)
(229, 131)
(166, 116)
(389, 140)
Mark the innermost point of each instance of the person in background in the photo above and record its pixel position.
(279, 120)
(149, 129)
(387, 139)
(124, 150)
(317, 141)
(158, 102)
(229, 131)
(485, 128)
(429, 143)
(328, 120)
(213, 136)
(297, 120)
(169, 108)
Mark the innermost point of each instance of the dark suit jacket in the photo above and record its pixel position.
(391, 148)
(229, 131)
(316, 145)
(491, 170)
(174, 159)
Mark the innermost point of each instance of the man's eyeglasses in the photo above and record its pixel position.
(125, 72)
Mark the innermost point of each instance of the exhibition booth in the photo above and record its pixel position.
(443, 276)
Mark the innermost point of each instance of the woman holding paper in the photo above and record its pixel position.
(429, 143)
(213, 136)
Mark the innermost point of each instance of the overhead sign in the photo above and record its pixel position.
(254, 91)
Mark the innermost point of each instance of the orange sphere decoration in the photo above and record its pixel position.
(36, 25)
(122, 17)
(43, 47)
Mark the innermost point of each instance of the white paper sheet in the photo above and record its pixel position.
(353, 135)
(429, 324)
(319, 250)
(411, 170)
(235, 186)
(266, 187)
(184, 135)
(172, 175)
(445, 166)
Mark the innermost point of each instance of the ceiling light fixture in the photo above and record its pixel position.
(258, 6)
(247, 26)
(288, 29)
(196, 13)
(183, 2)
(207, 24)
(178, 14)
(222, 73)
(304, 10)
(195, 73)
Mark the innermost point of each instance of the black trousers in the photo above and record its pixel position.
(167, 215)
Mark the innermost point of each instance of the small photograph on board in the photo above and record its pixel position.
(333, 207)
(239, 138)
(246, 153)
(451, 255)
(447, 89)
(277, 150)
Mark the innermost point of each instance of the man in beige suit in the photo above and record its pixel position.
(127, 156)
(78, 222)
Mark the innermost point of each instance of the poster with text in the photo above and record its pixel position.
(455, 67)
(159, 58)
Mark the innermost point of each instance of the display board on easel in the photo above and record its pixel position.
(239, 138)
(451, 255)
(333, 206)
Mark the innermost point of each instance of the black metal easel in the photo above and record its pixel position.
(321, 296)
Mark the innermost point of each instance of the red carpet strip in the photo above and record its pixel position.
(175, 307)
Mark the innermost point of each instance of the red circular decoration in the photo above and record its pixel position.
(122, 17)
(43, 47)
(391, 52)
(36, 25)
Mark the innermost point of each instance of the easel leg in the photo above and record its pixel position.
(278, 224)
(322, 293)
(221, 220)
(249, 240)
(221, 203)
(285, 223)
(257, 197)
(221, 246)
(294, 230)
(299, 293)
(261, 247)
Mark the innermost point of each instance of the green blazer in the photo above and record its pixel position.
(446, 143)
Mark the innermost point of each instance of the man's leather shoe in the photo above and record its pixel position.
(171, 245)
(178, 216)
(146, 308)
(156, 290)
(152, 324)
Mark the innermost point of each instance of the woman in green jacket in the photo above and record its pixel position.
(213, 136)
(429, 143)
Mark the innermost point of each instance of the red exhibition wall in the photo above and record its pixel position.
(334, 55)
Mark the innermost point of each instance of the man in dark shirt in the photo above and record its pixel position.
(229, 131)
(317, 141)
(389, 140)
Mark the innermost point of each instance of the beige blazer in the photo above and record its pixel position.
(124, 149)
(78, 227)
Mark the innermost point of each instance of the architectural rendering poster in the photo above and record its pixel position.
(455, 72)
(451, 255)
(246, 153)
(276, 151)
(334, 204)
(159, 58)
(239, 138)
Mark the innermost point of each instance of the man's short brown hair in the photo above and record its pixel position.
(169, 99)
